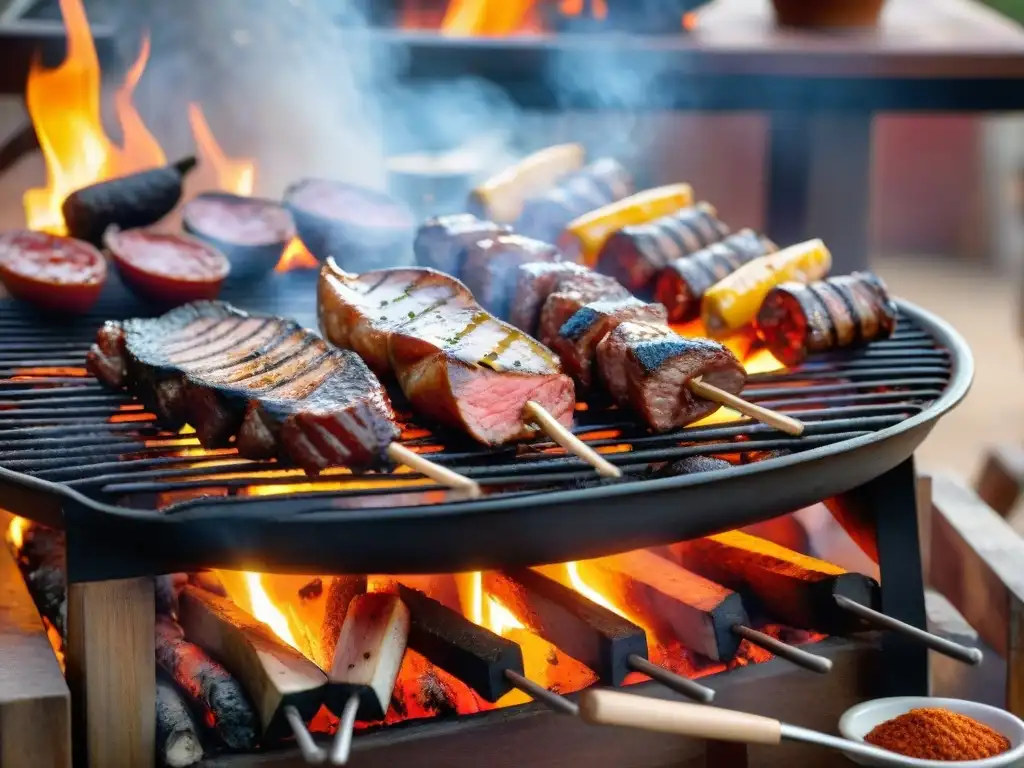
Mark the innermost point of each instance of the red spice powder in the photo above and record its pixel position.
(938, 734)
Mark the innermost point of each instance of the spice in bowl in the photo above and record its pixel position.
(938, 734)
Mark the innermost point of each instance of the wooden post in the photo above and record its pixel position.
(1002, 478)
(924, 524)
(35, 704)
(112, 672)
(977, 558)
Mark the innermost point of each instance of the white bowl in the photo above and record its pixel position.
(858, 721)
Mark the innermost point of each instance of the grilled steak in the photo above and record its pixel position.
(490, 264)
(456, 363)
(534, 283)
(577, 340)
(277, 387)
(440, 241)
(841, 312)
(572, 292)
(647, 368)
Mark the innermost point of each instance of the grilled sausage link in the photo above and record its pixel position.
(635, 255)
(456, 363)
(733, 302)
(602, 182)
(798, 320)
(681, 285)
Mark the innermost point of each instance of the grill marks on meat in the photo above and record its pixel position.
(490, 264)
(455, 362)
(647, 368)
(842, 312)
(278, 389)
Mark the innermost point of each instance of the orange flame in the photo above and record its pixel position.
(495, 18)
(233, 175)
(16, 532)
(64, 104)
(296, 256)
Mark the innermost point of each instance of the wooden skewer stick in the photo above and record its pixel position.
(604, 707)
(399, 454)
(781, 422)
(366, 664)
(548, 424)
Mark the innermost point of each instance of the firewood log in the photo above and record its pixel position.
(177, 739)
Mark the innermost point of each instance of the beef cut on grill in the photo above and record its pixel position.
(533, 284)
(440, 242)
(634, 255)
(570, 293)
(275, 387)
(489, 267)
(797, 319)
(680, 286)
(455, 362)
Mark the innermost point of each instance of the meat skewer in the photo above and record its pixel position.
(634, 255)
(456, 363)
(591, 321)
(681, 285)
(838, 313)
(274, 386)
(501, 197)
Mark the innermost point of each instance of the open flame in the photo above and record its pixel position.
(233, 175)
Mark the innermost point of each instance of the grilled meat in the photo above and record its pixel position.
(577, 340)
(533, 284)
(635, 255)
(603, 181)
(441, 241)
(281, 390)
(796, 320)
(647, 368)
(572, 292)
(680, 286)
(490, 263)
(456, 363)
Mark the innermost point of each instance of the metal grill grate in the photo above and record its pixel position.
(59, 425)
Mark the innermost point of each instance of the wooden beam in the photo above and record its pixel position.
(35, 703)
(981, 575)
(112, 671)
(1002, 478)
(274, 674)
(924, 524)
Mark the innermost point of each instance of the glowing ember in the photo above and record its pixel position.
(598, 8)
(264, 609)
(576, 580)
(16, 532)
(233, 175)
(489, 17)
(296, 256)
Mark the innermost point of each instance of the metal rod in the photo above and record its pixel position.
(552, 700)
(678, 683)
(877, 755)
(972, 656)
(311, 753)
(341, 748)
(790, 653)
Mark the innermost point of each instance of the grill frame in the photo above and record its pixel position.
(311, 534)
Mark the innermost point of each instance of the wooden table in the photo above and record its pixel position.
(821, 90)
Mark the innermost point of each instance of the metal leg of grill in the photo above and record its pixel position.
(888, 504)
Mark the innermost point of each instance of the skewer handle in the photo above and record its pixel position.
(553, 429)
(399, 454)
(794, 655)
(941, 645)
(781, 422)
(605, 707)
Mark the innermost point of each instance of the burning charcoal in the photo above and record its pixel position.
(208, 688)
(47, 586)
(128, 202)
(177, 741)
(275, 675)
(435, 696)
(339, 594)
(360, 228)
(691, 465)
(312, 590)
(250, 231)
(209, 581)
(41, 546)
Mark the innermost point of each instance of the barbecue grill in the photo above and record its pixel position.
(75, 455)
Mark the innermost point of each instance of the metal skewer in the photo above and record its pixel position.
(308, 748)
(790, 653)
(946, 647)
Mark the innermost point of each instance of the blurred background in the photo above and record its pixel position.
(279, 84)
